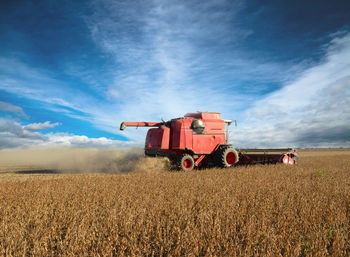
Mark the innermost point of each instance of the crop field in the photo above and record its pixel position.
(115, 203)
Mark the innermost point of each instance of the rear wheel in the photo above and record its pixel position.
(185, 162)
(226, 157)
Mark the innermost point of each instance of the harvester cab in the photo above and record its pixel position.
(197, 139)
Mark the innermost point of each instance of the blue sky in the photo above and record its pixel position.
(72, 71)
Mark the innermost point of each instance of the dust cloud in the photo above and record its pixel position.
(79, 160)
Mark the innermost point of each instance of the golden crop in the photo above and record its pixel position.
(267, 210)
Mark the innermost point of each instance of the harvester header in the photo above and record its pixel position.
(201, 139)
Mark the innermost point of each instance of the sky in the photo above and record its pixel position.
(72, 71)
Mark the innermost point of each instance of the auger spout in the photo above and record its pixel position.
(123, 125)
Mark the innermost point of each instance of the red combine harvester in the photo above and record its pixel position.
(201, 139)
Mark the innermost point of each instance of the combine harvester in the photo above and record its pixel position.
(201, 140)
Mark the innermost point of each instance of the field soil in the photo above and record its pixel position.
(59, 202)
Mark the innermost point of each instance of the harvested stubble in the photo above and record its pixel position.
(261, 210)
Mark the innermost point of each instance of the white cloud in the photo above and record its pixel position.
(64, 139)
(13, 134)
(314, 110)
(40, 126)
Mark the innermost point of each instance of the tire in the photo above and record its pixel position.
(226, 157)
(185, 162)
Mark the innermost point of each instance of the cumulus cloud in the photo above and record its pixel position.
(40, 126)
(13, 134)
(64, 139)
(314, 110)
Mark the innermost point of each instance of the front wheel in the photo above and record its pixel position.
(226, 157)
(185, 162)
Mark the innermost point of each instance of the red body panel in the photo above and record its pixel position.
(158, 138)
(214, 136)
(181, 136)
(204, 115)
